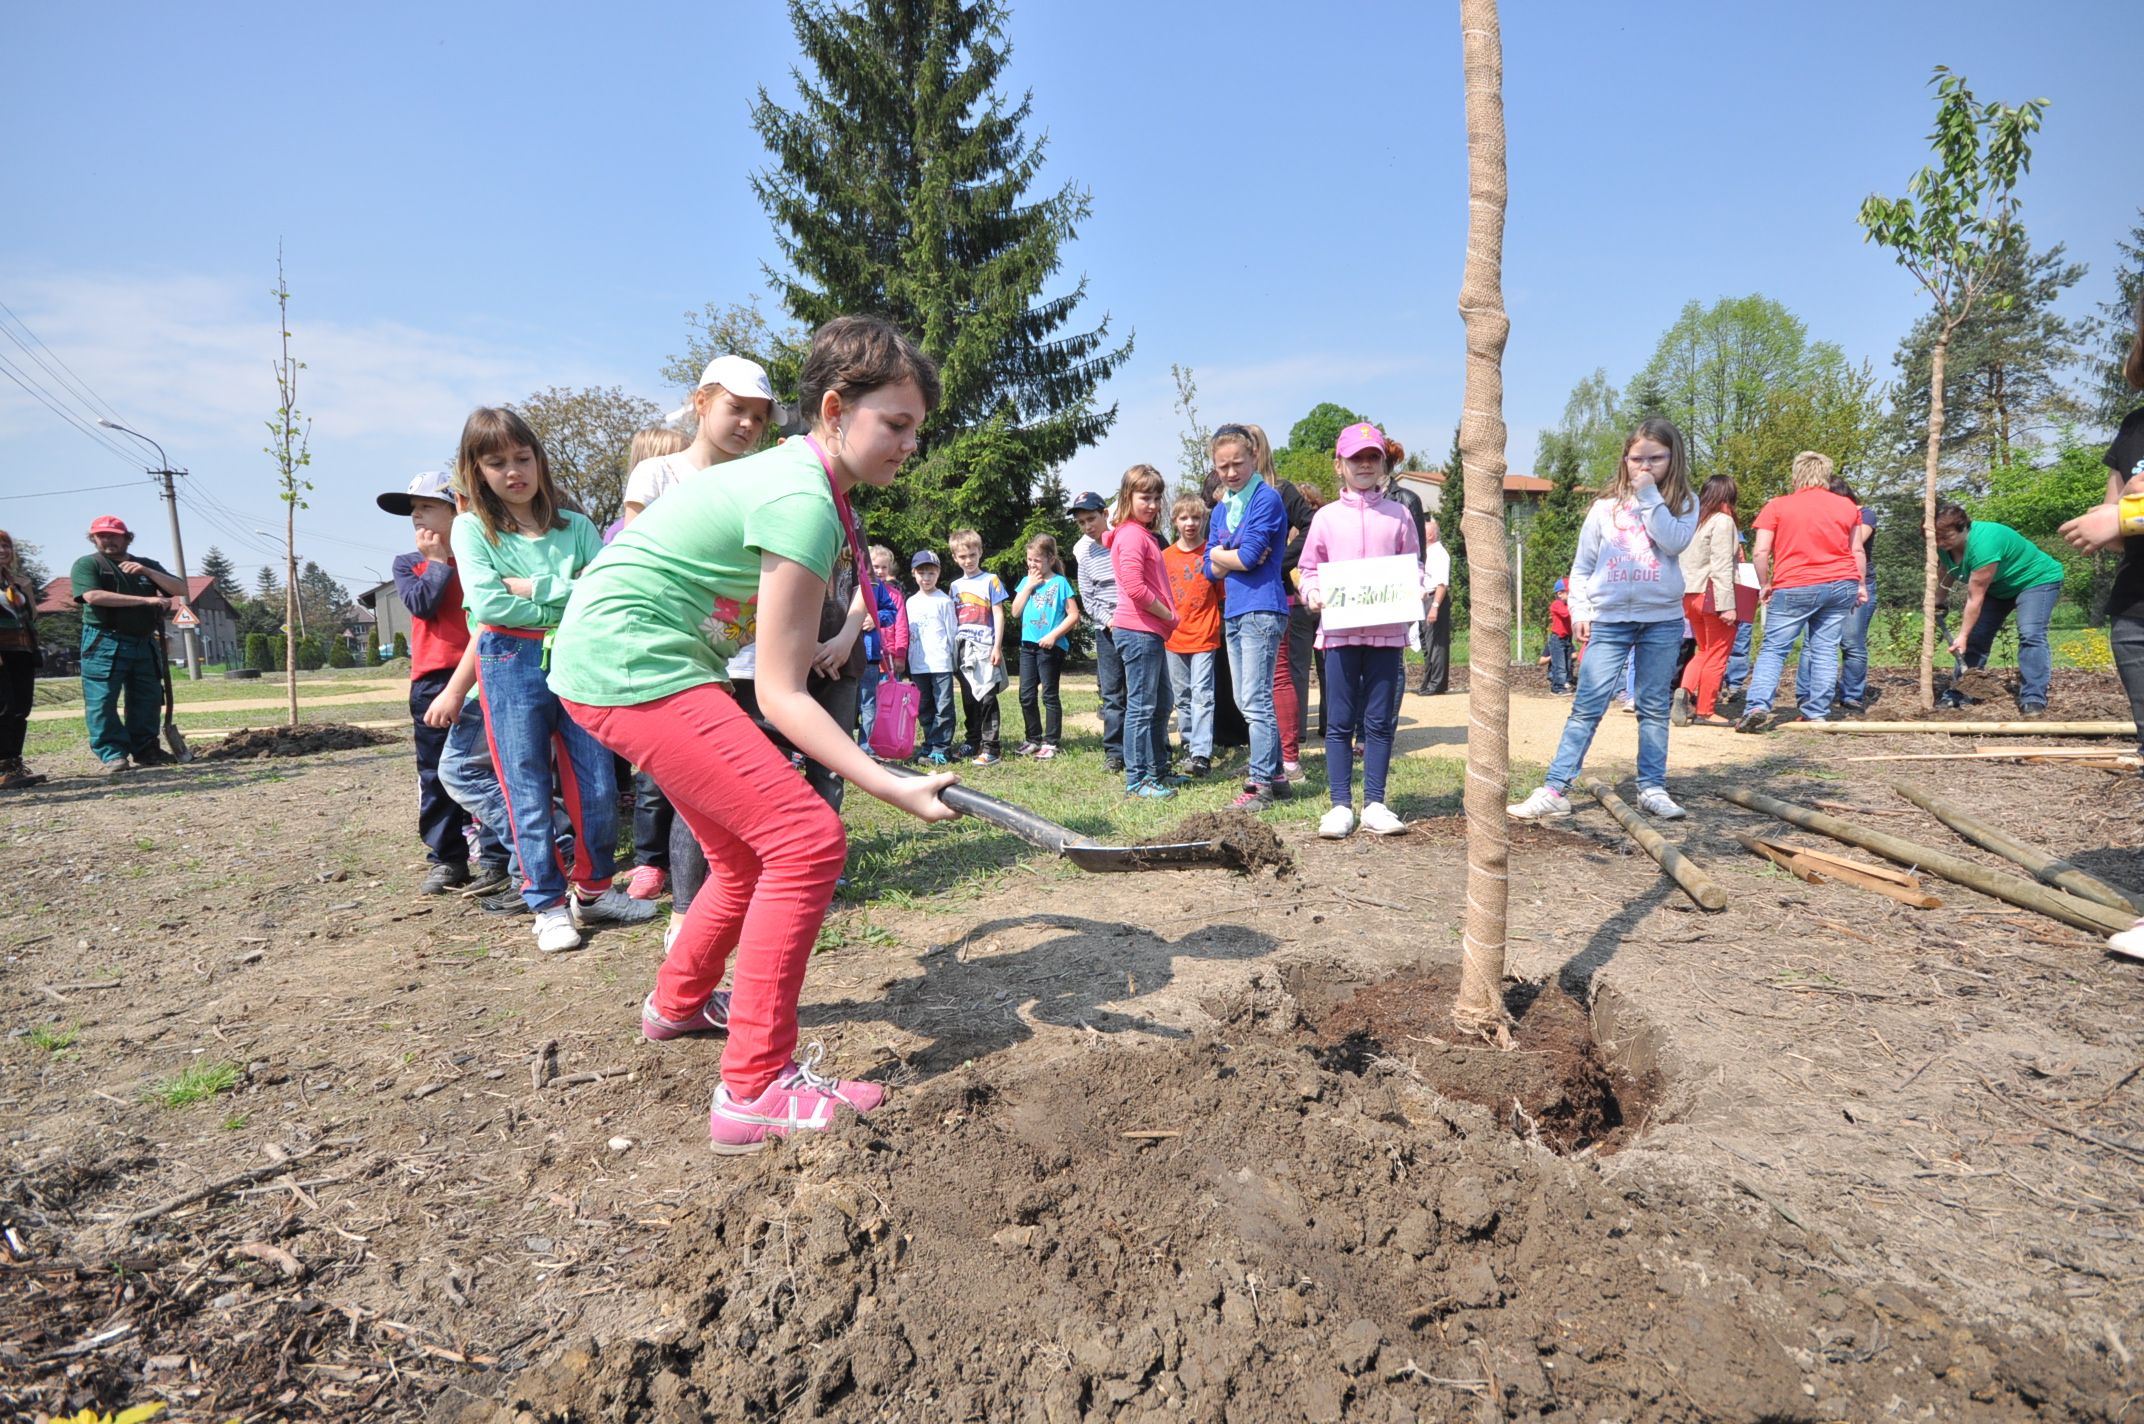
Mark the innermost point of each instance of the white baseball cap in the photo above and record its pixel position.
(432, 484)
(740, 377)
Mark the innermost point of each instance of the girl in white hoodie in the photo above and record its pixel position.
(1626, 608)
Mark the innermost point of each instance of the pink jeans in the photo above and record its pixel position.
(774, 851)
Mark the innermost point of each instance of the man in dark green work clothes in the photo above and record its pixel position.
(124, 600)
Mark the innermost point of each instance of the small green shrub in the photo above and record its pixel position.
(401, 645)
(311, 656)
(372, 648)
(339, 653)
(260, 652)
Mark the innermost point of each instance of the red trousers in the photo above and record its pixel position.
(1708, 665)
(1284, 707)
(774, 851)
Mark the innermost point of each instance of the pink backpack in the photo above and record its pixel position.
(893, 726)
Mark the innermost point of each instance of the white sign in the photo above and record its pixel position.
(1363, 593)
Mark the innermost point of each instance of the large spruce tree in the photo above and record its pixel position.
(901, 190)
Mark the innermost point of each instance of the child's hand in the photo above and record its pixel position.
(1048, 640)
(445, 711)
(1313, 599)
(997, 656)
(434, 545)
(520, 587)
(918, 796)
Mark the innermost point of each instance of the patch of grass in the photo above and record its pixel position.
(502, 1016)
(144, 843)
(196, 1083)
(52, 1038)
(236, 1121)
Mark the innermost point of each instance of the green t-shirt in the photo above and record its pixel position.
(676, 595)
(551, 563)
(95, 571)
(2019, 563)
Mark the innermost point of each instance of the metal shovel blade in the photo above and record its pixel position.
(1069, 844)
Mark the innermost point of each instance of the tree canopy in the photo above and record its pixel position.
(588, 437)
(2113, 398)
(1715, 367)
(901, 189)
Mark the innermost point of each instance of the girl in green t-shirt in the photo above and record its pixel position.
(642, 662)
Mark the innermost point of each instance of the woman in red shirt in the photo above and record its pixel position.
(1810, 571)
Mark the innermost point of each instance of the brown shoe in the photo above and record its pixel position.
(14, 776)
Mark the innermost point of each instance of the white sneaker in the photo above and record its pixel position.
(1335, 824)
(2130, 942)
(555, 931)
(1653, 801)
(1547, 803)
(1379, 821)
(612, 907)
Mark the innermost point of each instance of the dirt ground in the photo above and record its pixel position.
(1174, 1143)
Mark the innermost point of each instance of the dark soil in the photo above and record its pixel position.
(1552, 1085)
(1300, 1245)
(2074, 695)
(1247, 841)
(307, 739)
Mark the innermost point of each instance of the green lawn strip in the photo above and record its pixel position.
(70, 734)
(67, 691)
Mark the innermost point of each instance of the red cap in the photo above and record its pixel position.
(109, 524)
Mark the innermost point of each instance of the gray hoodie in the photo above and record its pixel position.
(1626, 570)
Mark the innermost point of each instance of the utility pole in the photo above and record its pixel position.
(178, 547)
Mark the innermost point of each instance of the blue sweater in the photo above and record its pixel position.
(1261, 544)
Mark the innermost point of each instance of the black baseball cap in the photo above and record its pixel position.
(1088, 503)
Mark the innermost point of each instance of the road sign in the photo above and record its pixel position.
(185, 618)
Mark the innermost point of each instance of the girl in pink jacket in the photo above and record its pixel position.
(1363, 673)
(1146, 616)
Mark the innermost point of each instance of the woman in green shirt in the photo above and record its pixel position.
(642, 662)
(2003, 570)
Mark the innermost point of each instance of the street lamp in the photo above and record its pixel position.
(178, 546)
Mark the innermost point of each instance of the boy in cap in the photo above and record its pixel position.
(1098, 600)
(124, 600)
(1558, 655)
(933, 631)
(438, 638)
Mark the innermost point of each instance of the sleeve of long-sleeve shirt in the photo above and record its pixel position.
(421, 589)
(1582, 565)
(549, 590)
(1265, 528)
(1670, 532)
(1311, 558)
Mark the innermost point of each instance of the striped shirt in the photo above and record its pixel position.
(1097, 581)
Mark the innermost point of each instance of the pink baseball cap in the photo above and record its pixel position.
(1358, 438)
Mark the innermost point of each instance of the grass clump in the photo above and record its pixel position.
(52, 1038)
(195, 1084)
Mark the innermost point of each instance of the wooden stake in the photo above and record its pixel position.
(1695, 883)
(2070, 910)
(2049, 868)
(1976, 729)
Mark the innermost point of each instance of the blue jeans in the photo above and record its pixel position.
(1559, 662)
(1651, 648)
(1818, 613)
(1364, 685)
(867, 703)
(2035, 660)
(934, 711)
(1109, 686)
(1738, 659)
(1853, 657)
(1253, 651)
(1146, 706)
(466, 774)
(529, 730)
(1191, 680)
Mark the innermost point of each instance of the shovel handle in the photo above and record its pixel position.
(1035, 830)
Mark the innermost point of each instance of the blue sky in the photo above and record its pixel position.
(479, 201)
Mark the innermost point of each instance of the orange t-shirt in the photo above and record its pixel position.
(1198, 601)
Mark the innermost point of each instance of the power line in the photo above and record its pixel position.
(74, 383)
(51, 403)
(86, 489)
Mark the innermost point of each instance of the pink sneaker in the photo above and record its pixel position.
(711, 1017)
(798, 1098)
(648, 882)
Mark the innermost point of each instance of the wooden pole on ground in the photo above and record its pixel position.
(1695, 883)
(2082, 914)
(1976, 729)
(2049, 868)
